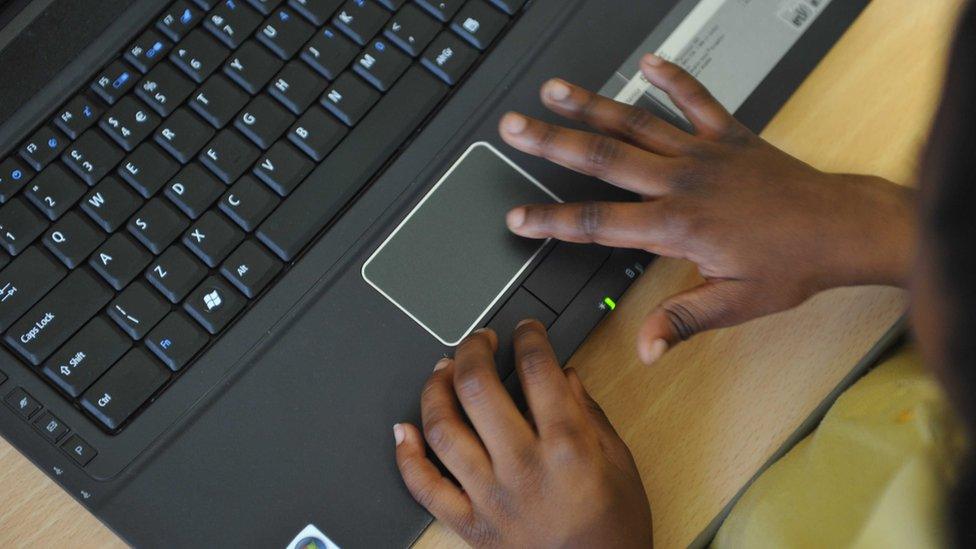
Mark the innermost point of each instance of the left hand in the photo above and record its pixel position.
(564, 478)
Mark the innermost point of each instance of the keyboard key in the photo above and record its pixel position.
(392, 5)
(137, 310)
(293, 225)
(157, 225)
(509, 6)
(183, 135)
(194, 190)
(251, 268)
(349, 98)
(198, 55)
(110, 203)
(252, 67)
(20, 225)
(176, 340)
(77, 116)
(265, 6)
(73, 239)
(92, 156)
(411, 29)
(212, 238)
(329, 52)
(263, 120)
(86, 356)
(147, 169)
(52, 428)
(14, 174)
(57, 316)
(232, 22)
(119, 260)
(164, 89)
(248, 202)
(175, 273)
(317, 11)
(218, 100)
(284, 33)
(282, 168)
(479, 23)
(229, 156)
(442, 9)
(24, 282)
(178, 20)
(129, 123)
(150, 48)
(80, 451)
(43, 147)
(297, 87)
(124, 388)
(54, 190)
(114, 82)
(381, 64)
(23, 403)
(449, 58)
(214, 304)
(361, 20)
(317, 133)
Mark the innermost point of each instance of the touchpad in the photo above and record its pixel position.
(453, 258)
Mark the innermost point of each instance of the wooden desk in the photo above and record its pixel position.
(707, 417)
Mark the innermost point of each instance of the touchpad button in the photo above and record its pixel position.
(453, 258)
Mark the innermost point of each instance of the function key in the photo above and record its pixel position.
(479, 23)
(449, 58)
(147, 50)
(329, 52)
(22, 402)
(114, 81)
(129, 123)
(80, 451)
(164, 88)
(509, 6)
(381, 65)
(317, 11)
(349, 98)
(126, 387)
(361, 20)
(54, 190)
(20, 225)
(284, 33)
(251, 268)
(50, 426)
(14, 174)
(232, 22)
(214, 304)
(86, 356)
(77, 116)
(176, 340)
(442, 9)
(178, 20)
(411, 29)
(43, 147)
(218, 100)
(92, 156)
(198, 55)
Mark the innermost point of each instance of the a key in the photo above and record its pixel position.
(43, 147)
(284, 33)
(110, 203)
(157, 225)
(252, 67)
(57, 316)
(251, 268)
(86, 356)
(218, 100)
(360, 20)
(263, 120)
(381, 64)
(54, 190)
(175, 273)
(148, 50)
(124, 388)
(411, 29)
(479, 23)
(212, 238)
(183, 135)
(147, 169)
(119, 260)
(164, 89)
(114, 81)
(137, 310)
(77, 116)
(20, 224)
(73, 239)
(214, 304)
(442, 9)
(24, 282)
(129, 122)
(329, 52)
(14, 174)
(297, 87)
(232, 22)
(92, 156)
(228, 156)
(265, 6)
(509, 6)
(193, 190)
(349, 98)
(317, 11)
(178, 20)
(198, 55)
(176, 340)
(248, 203)
(449, 58)
(317, 133)
(282, 168)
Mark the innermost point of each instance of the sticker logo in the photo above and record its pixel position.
(311, 538)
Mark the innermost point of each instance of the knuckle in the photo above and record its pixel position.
(425, 494)
(471, 384)
(565, 446)
(684, 321)
(436, 432)
(546, 140)
(590, 218)
(638, 122)
(601, 153)
(478, 533)
(535, 363)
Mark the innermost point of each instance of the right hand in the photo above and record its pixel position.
(766, 230)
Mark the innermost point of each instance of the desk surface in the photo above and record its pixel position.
(706, 418)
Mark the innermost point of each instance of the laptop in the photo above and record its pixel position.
(235, 236)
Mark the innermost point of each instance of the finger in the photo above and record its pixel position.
(609, 439)
(547, 392)
(631, 124)
(704, 111)
(502, 429)
(448, 435)
(599, 156)
(617, 224)
(435, 492)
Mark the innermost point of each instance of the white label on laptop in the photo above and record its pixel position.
(311, 538)
(728, 45)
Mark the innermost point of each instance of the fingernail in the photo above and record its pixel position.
(441, 364)
(652, 60)
(524, 322)
(651, 353)
(557, 90)
(515, 218)
(398, 433)
(514, 123)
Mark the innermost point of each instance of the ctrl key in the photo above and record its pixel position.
(79, 450)
(126, 387)
(22, 403)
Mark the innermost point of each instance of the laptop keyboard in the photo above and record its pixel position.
(163, 198)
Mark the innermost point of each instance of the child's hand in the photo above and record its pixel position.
(766, 230)
(562, 479)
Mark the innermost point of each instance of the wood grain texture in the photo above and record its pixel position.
(703, 420)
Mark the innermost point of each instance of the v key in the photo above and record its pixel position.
(283, 168)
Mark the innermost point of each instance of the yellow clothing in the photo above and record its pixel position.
(874, 473)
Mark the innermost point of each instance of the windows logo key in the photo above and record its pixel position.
(212, 300)
(311, 538)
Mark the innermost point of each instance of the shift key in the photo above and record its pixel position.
(58, 316)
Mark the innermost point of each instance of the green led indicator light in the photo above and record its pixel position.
(610, 303)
